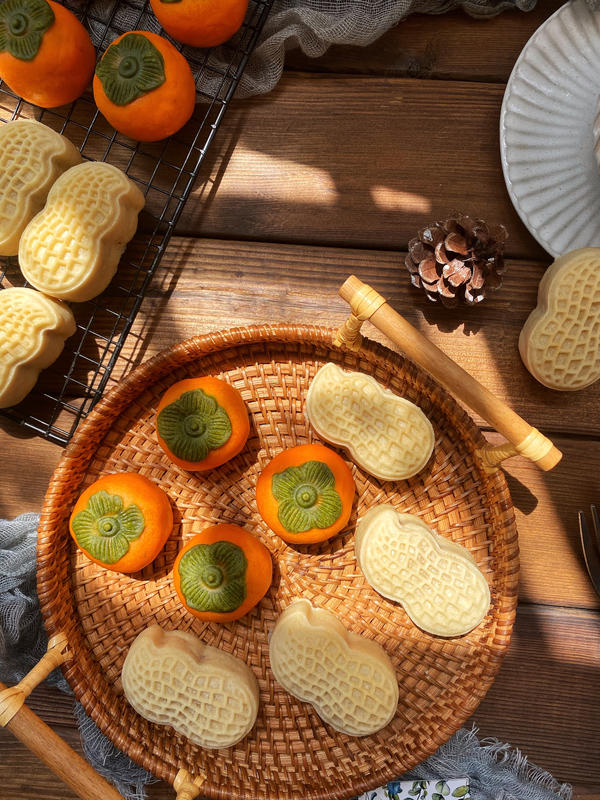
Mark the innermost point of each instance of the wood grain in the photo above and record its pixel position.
(278, 172)
(425, 46)
(550, 669)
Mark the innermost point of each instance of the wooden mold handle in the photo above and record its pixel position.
(523, 439)
(42, 740)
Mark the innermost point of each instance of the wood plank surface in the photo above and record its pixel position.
(549, 670)
(278, 172)
(332, 174)
(430, 46)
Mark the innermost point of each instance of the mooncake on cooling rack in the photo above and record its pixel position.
(386, 435)
(348, 679)
(33, 329)
(172, 678)
(560, 341)
(32, 156)
(72, 248)
(437, 581)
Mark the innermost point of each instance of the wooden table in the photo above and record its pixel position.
(332, 174)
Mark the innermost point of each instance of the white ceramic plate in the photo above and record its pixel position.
(546, 139)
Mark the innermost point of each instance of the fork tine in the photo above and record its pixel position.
(596, 524)
(590, 553)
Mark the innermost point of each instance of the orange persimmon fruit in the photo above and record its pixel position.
(144, 86)
(47, 56)
(201, 23)
(222, 573)
(201, 423)
(305, 494)
(122, 521)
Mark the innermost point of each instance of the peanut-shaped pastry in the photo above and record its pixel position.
(386, 435)
(72, 248)
(560, 341)
(32, 156)
(172, 678)
(33, 329)
(348, 679)
(436, 580)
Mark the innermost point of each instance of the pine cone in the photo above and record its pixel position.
(457, 260)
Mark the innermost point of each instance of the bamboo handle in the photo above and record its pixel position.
(42, 740)
(186, 786)
(523, 439)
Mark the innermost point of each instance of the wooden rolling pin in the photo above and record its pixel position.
(523, 439)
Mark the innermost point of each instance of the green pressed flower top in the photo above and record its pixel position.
(131, 69)
(23, 24)
(213, 577)
(105, 529)
(194, 425)
(307, 497)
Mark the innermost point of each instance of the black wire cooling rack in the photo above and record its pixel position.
(165, 172)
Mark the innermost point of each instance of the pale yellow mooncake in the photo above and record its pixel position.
(349, 680)
(386, 435)
(32, 156)
(172, 678)
(33, 329)
(436, 580)
(560, 341)
(72, 248)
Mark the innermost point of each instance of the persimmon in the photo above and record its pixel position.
(122, 521)
(144, 87)
(201, 23)
(222, 573)
(46, 55)
(305, 494)
(202, 423)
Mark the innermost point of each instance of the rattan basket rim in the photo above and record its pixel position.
(60, 614)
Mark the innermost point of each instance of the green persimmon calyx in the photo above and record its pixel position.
(213, 577)
(194, 425)
(23, 24)
(130, 69)
(307, 497)
(105, 528)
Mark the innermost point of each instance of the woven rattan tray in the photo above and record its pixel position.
(289, 753)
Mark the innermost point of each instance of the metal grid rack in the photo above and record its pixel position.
(165, 171)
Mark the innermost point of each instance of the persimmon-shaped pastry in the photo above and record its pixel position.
(560, 341)
(222, 573)
(202, 423)
(173, 678)
(305, 494)
(386, 435)
(32, 156)
(437, 581)
(46, 55)
(33, 329)
(122, 521)
(348, 679)
(72, 248)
